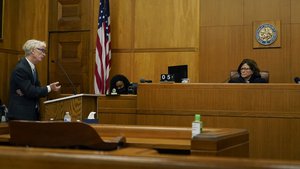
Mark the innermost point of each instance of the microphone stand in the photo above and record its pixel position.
(63, 70)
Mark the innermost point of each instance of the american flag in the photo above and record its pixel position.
(103, 50)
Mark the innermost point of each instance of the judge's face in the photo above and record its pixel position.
(246, 72)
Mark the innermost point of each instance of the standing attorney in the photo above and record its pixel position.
(25, 87)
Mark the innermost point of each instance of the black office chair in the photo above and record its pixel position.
(264, 74)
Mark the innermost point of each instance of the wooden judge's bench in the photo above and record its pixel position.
(270, 112)
(160, 117)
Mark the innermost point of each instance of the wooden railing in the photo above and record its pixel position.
(37, 158)
(211, 142)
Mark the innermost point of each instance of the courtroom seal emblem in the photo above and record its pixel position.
(266, 34)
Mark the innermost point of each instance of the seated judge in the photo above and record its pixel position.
(248, 73)
(119, 84)
(25, 87)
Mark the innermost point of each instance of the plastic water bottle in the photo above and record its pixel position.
(197, 125)
(67, 117)
(3, 119)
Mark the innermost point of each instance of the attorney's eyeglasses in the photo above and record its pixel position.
(42, 50)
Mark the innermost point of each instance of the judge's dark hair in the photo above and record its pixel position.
(119, 77)
(253, 66)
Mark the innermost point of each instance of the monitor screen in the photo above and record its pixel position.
(179, 72)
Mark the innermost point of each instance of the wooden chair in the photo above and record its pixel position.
(58, 134)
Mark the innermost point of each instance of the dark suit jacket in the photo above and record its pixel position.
(253, 79)
(24, 107)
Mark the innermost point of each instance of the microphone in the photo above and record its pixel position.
(297, 80)
(145, 81)
(64, 71)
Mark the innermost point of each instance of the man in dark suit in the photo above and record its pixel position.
(25, 87)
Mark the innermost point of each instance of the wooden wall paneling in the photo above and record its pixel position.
(295, 13)
(122, 63)
(221, 12)
(9, 19)
(8, 48)
(221, 51)
(117, 118)
(3, 78)
(255, 10)
(122, 24)
(166, 24)
(166, 120)
(37, 11)
(295, 50)
(152, 65)
(71, 50)
(35, 28)
(6, 51)
(275, 60)
(117, 109)
(53, 16)
(70, 15)
(295, 38)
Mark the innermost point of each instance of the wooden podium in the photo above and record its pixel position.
(79, 106)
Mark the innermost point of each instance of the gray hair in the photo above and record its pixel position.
(32, 44)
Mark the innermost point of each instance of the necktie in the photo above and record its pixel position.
(34, 75)
(34, 81)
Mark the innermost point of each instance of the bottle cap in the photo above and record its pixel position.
(197, 117)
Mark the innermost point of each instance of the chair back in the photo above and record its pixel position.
(56, 134)
(264, 74)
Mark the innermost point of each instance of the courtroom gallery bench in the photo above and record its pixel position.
(138, 154)
(212, 142)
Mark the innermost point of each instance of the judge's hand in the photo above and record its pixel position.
(55, 86)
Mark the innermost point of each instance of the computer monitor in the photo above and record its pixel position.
(179, 72)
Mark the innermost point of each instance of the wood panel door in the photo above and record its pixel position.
(68, 61)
